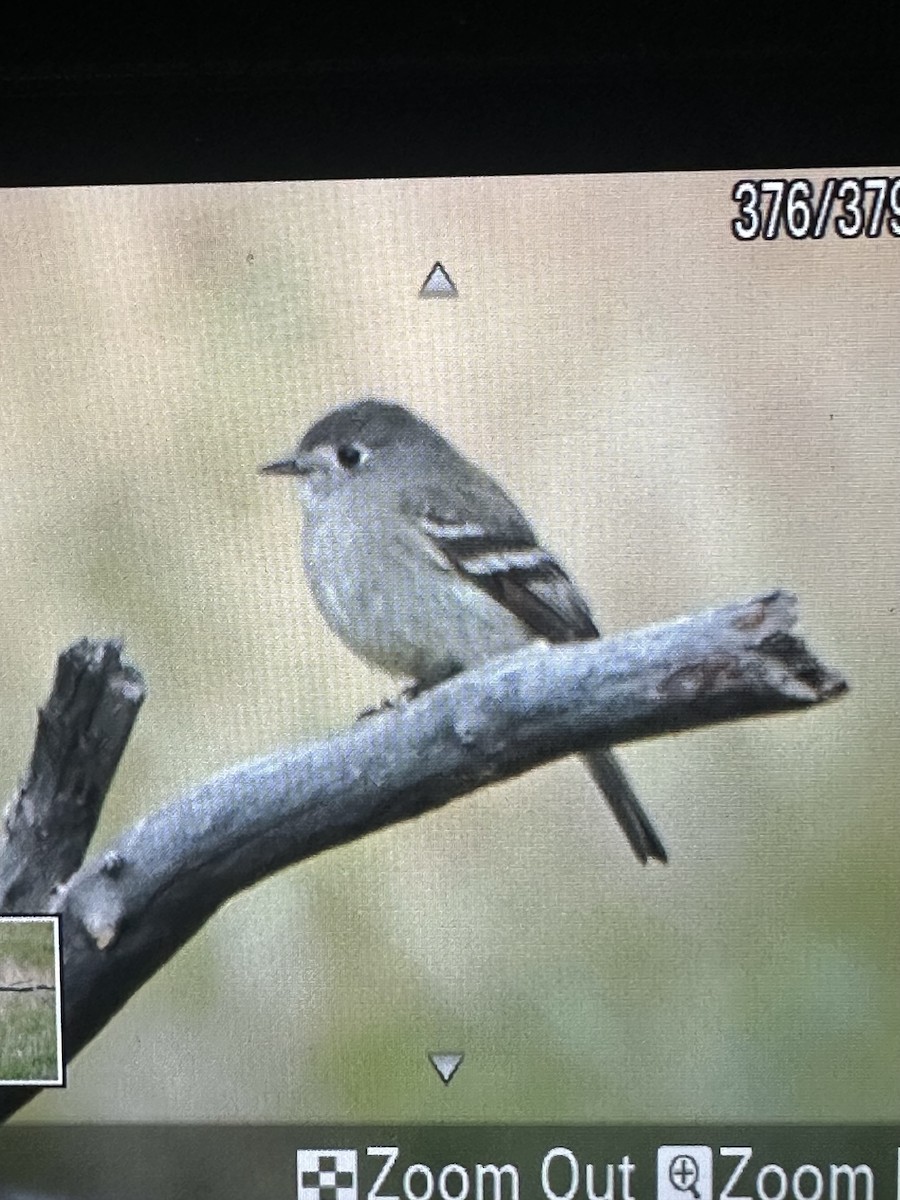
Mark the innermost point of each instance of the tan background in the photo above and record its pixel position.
(689, 420)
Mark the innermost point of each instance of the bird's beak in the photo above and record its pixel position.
(304, 462)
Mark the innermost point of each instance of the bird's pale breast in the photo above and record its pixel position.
(392, 602)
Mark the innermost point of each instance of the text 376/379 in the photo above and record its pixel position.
(848, 207)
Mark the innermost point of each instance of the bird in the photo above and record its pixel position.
(423, 566)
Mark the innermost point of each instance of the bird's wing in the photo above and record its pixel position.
(500, 554)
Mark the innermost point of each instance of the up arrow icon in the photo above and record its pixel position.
(438, 285)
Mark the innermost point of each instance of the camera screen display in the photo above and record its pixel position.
(325, 492)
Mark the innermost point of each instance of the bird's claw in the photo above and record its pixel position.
(389, 703)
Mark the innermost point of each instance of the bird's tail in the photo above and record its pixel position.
(627, 809)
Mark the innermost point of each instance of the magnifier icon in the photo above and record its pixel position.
(684, 1173)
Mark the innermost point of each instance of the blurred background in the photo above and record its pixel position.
(689, 420)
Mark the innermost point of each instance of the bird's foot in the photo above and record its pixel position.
(390, 703)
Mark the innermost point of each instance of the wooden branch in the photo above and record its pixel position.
(128, 911)
(82, 731)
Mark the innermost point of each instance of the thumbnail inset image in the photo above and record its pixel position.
(30, 1014)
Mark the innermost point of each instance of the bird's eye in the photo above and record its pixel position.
(348, 456)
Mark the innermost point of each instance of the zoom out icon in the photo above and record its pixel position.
(684, 1173)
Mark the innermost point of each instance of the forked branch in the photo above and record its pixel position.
(129, 909)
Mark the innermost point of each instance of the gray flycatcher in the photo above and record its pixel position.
(423, 565)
